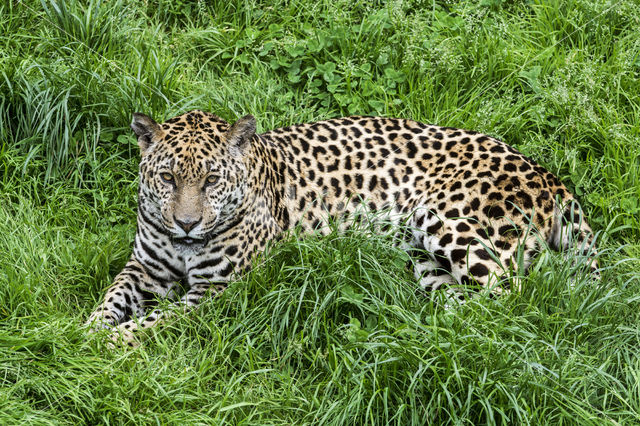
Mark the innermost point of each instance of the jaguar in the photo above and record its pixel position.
(211, 195)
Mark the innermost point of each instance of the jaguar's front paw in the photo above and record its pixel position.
(123, 335)
(99, 320)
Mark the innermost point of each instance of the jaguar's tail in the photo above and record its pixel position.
(572, 233)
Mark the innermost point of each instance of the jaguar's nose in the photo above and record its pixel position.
(187, 224)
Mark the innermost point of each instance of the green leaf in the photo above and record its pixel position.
(355, 333)
(378, 106)
(296, 50)
(351, 294)
(266, 48)
(126, 139)
(530, 76)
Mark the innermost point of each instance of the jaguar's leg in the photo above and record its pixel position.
(125, 333)
(127, 297)
(460, 261)
(429, 273)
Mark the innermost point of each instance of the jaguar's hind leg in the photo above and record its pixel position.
(452, 259)
(460, 257)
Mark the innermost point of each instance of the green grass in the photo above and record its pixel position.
(323, 330)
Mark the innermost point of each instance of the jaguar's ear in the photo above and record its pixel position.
(146, 129)
(240, 134)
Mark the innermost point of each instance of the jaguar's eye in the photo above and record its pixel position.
(167, 177)
(212, 180)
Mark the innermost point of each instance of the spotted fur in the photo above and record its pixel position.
(211, 195)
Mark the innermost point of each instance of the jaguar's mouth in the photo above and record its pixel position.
(194, 242)
(188, 241)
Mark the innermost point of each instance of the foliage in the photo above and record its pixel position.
(323, 330)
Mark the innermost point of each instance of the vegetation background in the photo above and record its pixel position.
(325, 330)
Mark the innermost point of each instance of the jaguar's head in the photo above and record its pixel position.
(192, 174)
